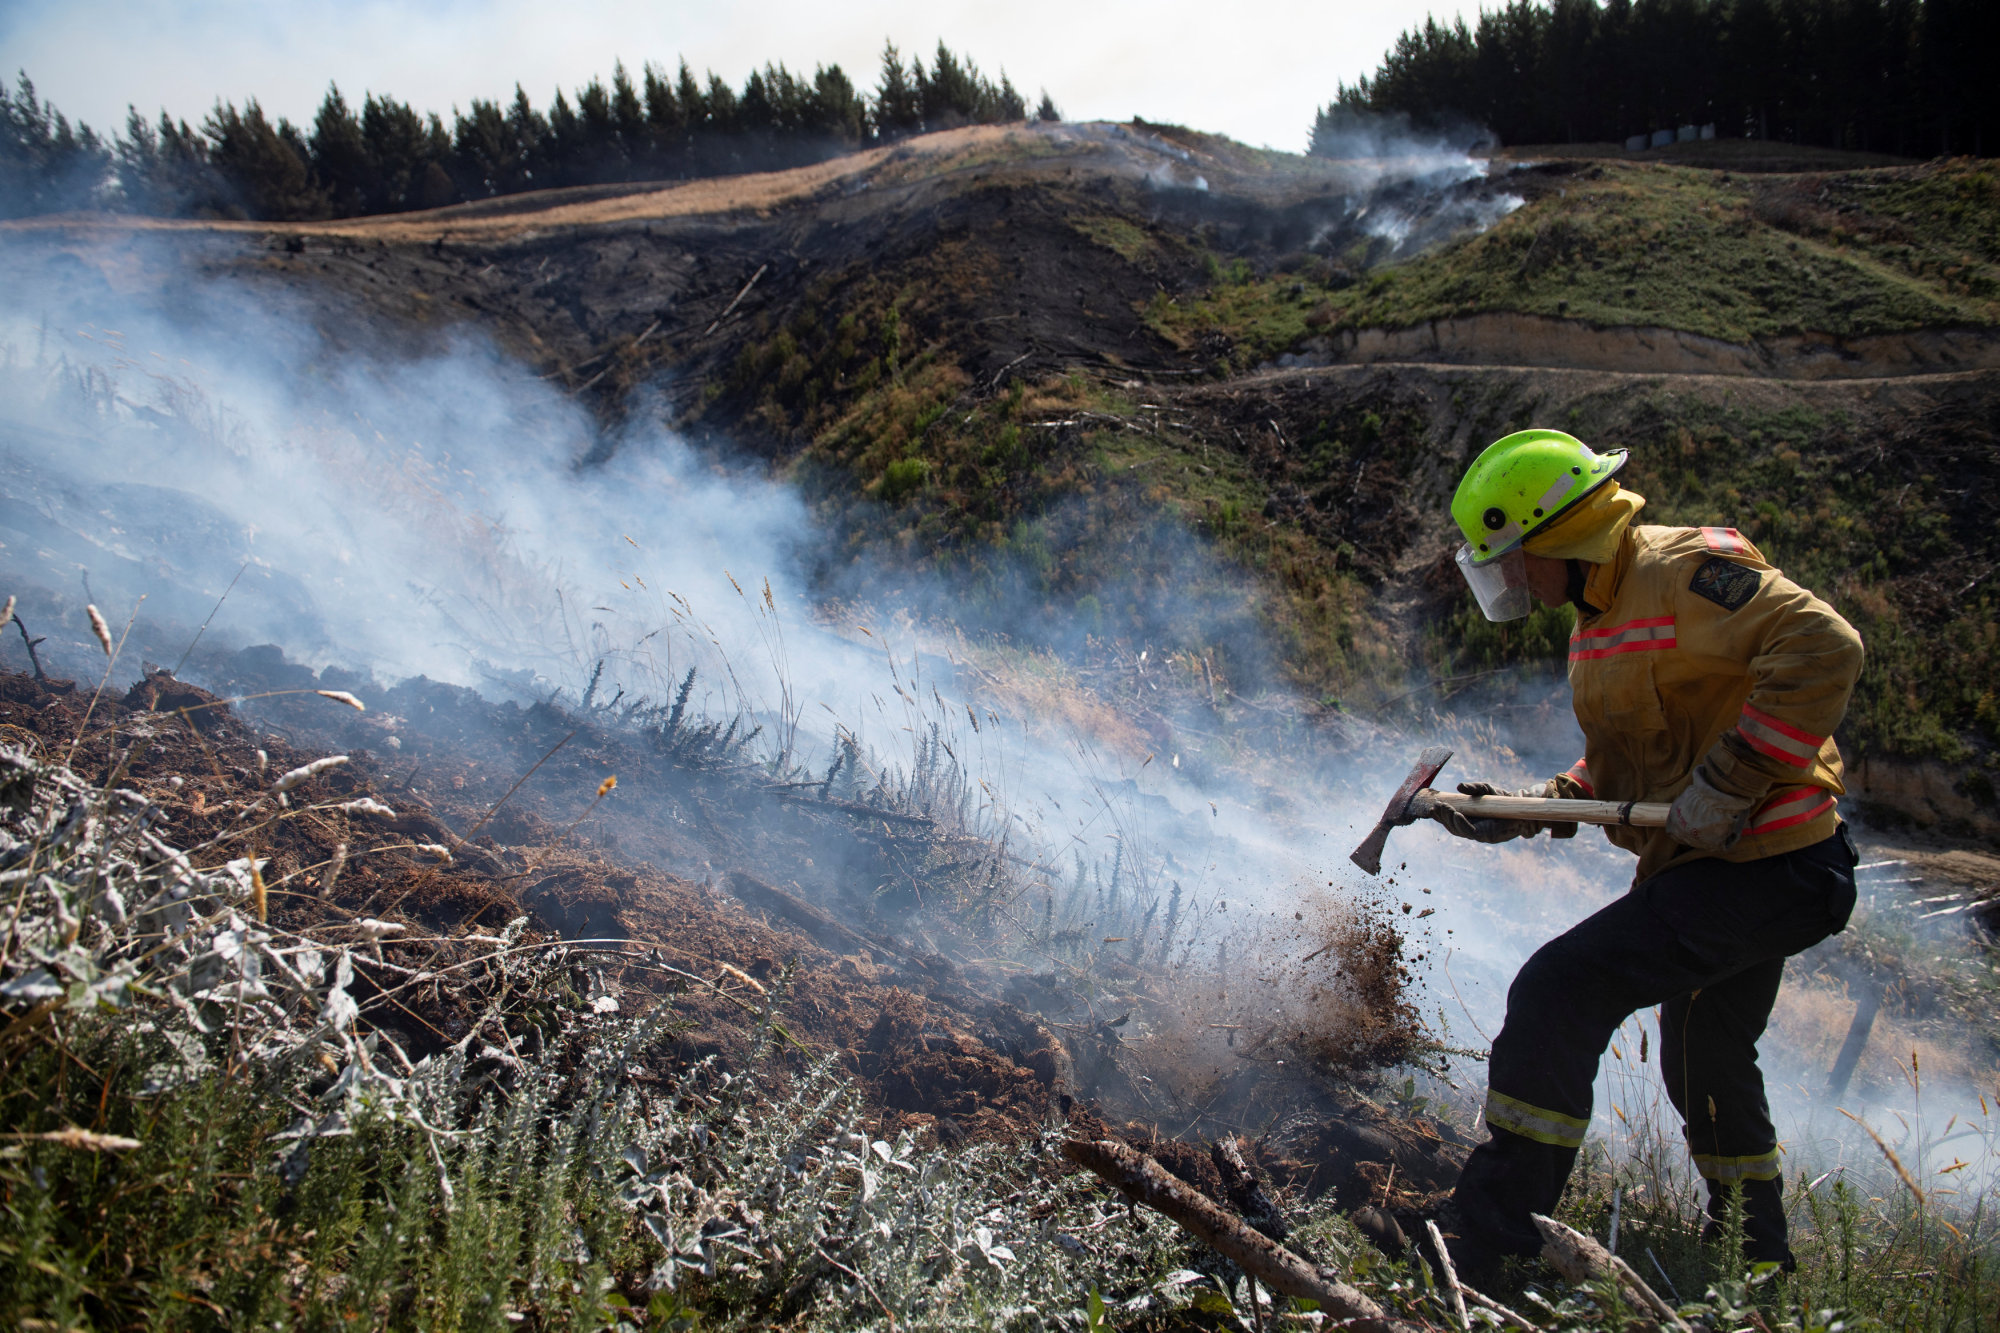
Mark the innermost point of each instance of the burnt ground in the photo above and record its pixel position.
(936, 1040)
(1020, 256)
(927, 1049)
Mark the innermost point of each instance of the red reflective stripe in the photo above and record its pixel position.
(1763, 746)
(1784, 728)
(1631, 637)
(1787, 796)
(1638, 646)
(1728, 540)
(1772, 825)
(1653, 623)
(1781, 741)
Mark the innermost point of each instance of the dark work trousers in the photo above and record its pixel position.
(1707, 942)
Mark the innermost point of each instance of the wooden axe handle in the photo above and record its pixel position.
(1642, 814)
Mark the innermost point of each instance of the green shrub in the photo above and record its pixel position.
(902, 479)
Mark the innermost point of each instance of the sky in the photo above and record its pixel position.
(1256, 74)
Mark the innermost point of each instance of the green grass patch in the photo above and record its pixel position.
(1734, 258)
(1121, 236)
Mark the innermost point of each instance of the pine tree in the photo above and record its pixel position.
(1008, 104)
(837, 112)
(487, 157)
(386, 156)
(339, 155)
(1904, 75)
(46, 164)
(164, 169)
(628, 117)
(263, 165)
(666, 124)
(598, 155)
(529, 130)
(1046, 112)
(562, 146)
(899, 109)
(951, 93)
(403, 147)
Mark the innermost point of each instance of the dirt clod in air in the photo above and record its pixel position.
(1357, 1011)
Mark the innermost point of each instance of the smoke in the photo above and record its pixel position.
(444, 513)
(435, 514)
(404, 516)
(1412, 188)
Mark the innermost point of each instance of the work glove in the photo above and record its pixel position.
(1499, 830)
(1706, 818)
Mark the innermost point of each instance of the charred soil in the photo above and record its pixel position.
(455, 844)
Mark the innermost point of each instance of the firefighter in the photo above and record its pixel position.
(1701, 676)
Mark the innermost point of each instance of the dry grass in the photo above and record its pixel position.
(541, 210)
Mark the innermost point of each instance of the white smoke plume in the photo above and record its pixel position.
(1406, 181)
(432, 514)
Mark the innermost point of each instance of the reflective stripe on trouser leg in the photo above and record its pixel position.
(1723, 1170)
(1534, 1122)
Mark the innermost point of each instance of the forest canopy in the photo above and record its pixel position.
(385, 156)
(1912, 77)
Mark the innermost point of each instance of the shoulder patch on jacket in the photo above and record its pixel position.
(1726, 584)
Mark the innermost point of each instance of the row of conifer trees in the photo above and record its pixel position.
(386, 156)
(1911, 77)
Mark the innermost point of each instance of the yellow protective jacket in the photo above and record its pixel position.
(1704, 654)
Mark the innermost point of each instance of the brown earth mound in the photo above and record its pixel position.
(927, 1047)
(925, 1052)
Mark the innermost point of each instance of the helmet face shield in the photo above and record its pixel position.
(1500, 586)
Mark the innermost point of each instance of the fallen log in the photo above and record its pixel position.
(1580, 1259)
(1246, 1196)
(817, 923)
(1142, 1180)
(851, 808)
(731, 307)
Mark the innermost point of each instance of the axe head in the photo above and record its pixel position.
(1369, 854)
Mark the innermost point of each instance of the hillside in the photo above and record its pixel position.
(1027, 356)
(1134, 437)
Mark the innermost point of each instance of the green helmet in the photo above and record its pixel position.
(1519, 483)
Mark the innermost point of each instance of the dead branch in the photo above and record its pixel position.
(1507, 1316)
(852, 808)
(33, 660)
(1142, 1180)
(1239, 1182)
(998, 374)
(726, 310)
(811, 919)
(1451, 1284)
(1580, 1259)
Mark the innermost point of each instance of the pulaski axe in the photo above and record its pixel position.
(1415, 800)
